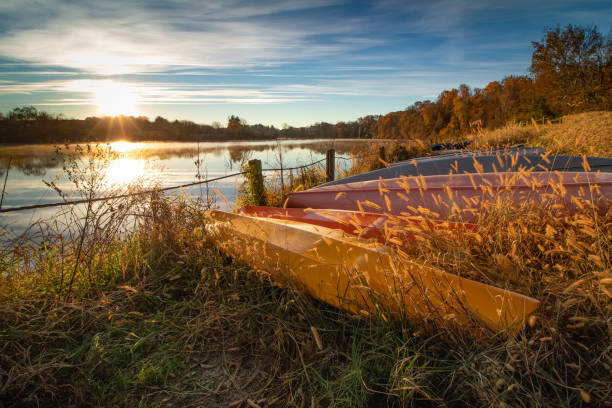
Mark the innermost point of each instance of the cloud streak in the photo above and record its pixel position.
(132, 38)
(83, 91)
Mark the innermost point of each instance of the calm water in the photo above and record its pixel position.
(166, 164)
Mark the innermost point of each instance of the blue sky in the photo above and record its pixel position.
(271, 62)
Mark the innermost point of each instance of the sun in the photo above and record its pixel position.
(115, 98)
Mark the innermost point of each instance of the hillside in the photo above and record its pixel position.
(588, 133)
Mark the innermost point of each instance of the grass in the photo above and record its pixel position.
(160, 317)
(587, 133)
(179, 324)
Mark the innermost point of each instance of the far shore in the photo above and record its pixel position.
(62, 142)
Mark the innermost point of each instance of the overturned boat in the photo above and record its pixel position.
(385, 228)
(520, 159)
(462, 197)
(363, 277)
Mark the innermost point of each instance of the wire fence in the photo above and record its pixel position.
(146, 192)
(296, 168)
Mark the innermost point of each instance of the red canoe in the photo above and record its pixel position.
(461, 196)
(364, 224)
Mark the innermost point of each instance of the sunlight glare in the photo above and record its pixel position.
(114, 98)
(122, 146)
(125, 171)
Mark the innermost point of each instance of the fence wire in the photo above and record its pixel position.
(137, 193)
(152, 191)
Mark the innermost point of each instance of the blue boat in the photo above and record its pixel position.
(483, 161)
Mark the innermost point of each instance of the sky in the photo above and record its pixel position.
(293, 62)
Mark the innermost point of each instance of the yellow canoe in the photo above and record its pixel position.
(364, 277)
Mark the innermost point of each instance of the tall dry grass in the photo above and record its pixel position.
(587, 133)
(564, 357)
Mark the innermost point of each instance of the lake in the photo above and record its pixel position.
(165, 164)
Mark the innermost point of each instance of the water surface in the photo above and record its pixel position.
(151, 163)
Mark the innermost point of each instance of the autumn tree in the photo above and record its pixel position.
(237, 126)
(571, 69)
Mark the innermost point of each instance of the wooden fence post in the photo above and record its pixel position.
(330, 166)
(381, 153)
(8, 168)
(255, 177)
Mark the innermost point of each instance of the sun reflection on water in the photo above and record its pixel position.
(123, 146)
(125, 171)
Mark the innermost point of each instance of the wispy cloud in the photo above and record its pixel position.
(43, 73)
(418, 83)
(155, 93)
(120, 37)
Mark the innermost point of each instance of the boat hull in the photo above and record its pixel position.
(389, 229)
(512, 160)
(462, 197)
(362, 277)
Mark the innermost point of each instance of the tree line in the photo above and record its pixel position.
(28, 125)
(570, 72)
